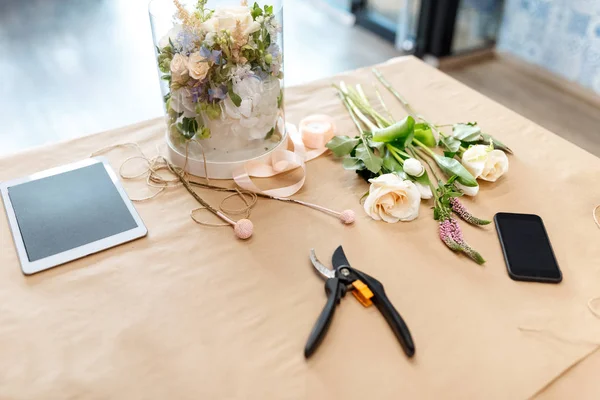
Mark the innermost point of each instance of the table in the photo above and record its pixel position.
(189, 312)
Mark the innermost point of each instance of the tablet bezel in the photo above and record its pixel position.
(29, 267)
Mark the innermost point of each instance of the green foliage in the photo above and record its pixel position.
(451, 167)
(235, 98)
(188, 127)
(342, 146)
(399, 132)
(467, 133)
(256, 11)
(372, 162)
(424, 134)
(212, 110)
(450, 145)
(390, 164)
(486, 139)
(353, 164)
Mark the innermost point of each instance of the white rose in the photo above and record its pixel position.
(467, 190)
(483, 162)
(198, 66)
(392, 199)
(227, 18)
(179, 69)
(172, 34)
(413, 167)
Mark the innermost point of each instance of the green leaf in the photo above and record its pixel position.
(398, 131)
(423, 179)
(451, 166)
(352, 164)
(256, 11)
(390, 163)
(376, 145)
(235, 98)
(497, 144)
(452, 145)
(372, 162)
(424, 134)
(466, 132)
(449, 154)
(342, 145)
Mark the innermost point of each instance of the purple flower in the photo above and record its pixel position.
(274, 50)
(218, 93)
(214, 56)
(198, 93)
(452, 237)
(463, 213)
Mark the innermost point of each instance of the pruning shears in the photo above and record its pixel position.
(365, 288)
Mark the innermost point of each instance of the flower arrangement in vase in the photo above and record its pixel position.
(223, 73)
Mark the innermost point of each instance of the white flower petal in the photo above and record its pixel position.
(467, 190)
(413, 167)
(474, 159)
(496, 165)
(424, 190)
(392, 199)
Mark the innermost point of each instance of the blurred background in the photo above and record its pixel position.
(76, 67)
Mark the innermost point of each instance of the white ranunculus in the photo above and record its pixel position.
(413, 167)
(227, 18)
(179, 69)
(392, 199)
(485, 163)
(172, 34)
(424, 190)
(467, 190)
(198, 66)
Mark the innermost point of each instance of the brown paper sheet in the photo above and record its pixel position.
(191, 313)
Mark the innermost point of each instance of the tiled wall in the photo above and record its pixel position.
(562, 36)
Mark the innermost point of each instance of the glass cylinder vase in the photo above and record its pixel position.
(220, 64)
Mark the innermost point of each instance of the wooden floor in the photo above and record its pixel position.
(520, 88)
(71, 68)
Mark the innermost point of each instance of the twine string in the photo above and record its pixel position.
(179, 177)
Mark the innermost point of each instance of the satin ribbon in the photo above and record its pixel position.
(295, 156)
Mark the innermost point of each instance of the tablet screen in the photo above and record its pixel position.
(68, 210)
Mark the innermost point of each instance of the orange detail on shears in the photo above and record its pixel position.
(362, 293)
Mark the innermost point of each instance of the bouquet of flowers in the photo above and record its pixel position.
(223, 69)
(398, 158)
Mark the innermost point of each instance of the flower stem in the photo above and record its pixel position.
(392, 150)
(405, 103)
(382, 103)
(425, 148)
(360, 115)
(397, 150)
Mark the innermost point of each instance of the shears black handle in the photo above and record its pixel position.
(389, 312)
(335, 289)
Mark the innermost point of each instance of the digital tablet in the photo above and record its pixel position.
(68, 212)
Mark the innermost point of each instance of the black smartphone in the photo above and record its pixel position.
(527, 250)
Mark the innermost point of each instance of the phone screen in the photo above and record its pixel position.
(527, 248)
